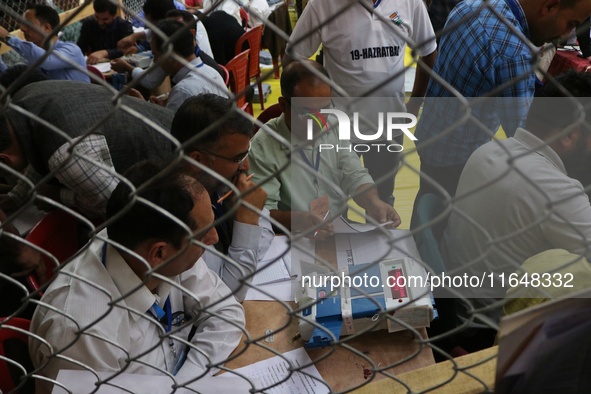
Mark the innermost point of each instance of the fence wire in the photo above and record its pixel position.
(104, 302)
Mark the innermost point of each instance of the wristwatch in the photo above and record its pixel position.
(5, 39)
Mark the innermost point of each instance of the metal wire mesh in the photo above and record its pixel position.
(111, 307)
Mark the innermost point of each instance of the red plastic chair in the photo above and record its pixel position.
(253, 37)
(238, 70)
(226, 75)
(9, 381)
(244, 17)
(271, 112)
(95, 71)
(57, 233)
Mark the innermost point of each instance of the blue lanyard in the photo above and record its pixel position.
(316, 165)
(157, 311)
(518, 13)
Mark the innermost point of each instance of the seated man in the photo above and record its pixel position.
(130, 300)
(189, 77)
(291, 189)
(516, 197)
(224, 31)
(65, 61)
(221, 153)
(84, 169)
(156, 11)
(100, 32)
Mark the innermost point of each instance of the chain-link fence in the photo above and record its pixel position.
(118, 302)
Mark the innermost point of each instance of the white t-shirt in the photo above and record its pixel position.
(229, 6)
(362, 49)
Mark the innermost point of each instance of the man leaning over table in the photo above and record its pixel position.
(216, 138)
(84, 165)
(38, 22)
(292, 190)
(133, 296)
(100, 32)
(517, 197)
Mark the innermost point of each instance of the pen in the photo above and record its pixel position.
(323, 219)
(228, 194)
(163, 96)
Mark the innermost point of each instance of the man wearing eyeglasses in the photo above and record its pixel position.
(216, 140)
(306, 185)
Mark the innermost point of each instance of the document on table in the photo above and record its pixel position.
(372, 246)
(103, 67)
(80, 382)
(342, 226)
(276, 263)
(279, 369)
(275, 282)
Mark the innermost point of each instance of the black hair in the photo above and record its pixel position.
(554, 108)
(174, 193)
(183, 40)
(299, 71)
(185, 15)
(157, 9)
(195, 116)
(45, 14)
(104, 6)
(5, 138)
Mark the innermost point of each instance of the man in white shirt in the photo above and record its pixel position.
(131, 298)
(516, 198)
(364, 44)
(190, 76)
(230, 7)
(215, 136)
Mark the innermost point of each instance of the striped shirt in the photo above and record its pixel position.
(481, 55)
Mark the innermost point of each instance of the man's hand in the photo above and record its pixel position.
(383, 213)
(3, 33)
(305, 221)
(131, 92)
(158, 100)
(121, 66)
(126, 42)
(96, 57)
(256, 197)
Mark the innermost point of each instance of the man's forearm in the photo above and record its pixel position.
(366, 195)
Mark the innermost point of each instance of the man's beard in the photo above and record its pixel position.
(213, 185)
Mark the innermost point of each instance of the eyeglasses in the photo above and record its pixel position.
(305, 112)
(235, 160)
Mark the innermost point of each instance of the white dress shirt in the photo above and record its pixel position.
(101, 318)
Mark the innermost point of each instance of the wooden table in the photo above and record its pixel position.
(271, 329)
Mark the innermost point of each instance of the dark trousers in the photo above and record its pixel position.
(383, 166)
(440, 177)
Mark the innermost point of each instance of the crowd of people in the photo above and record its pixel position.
(159, 284)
